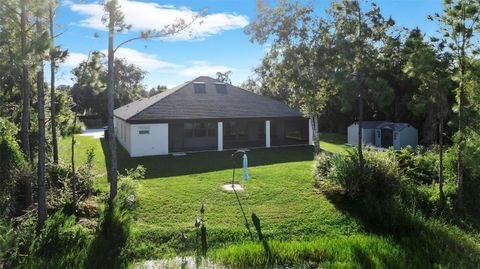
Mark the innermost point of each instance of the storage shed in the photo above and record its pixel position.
(384, 134)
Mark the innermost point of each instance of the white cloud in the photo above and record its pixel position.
(74, 59)
(147, 62)
(202, 68)
(147, 16)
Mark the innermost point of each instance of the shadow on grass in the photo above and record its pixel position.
(266, 246)
(201, 162)
(427, 243)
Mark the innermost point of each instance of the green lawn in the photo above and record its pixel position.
(279, 192)
(299, 222)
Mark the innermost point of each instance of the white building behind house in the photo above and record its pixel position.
(384, 134)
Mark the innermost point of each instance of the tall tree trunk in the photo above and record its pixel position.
(440, 181)
(459, 202)
(112, 146)
(74, 176)
(24, 133)
(360, 77)
(360, 122)
(42, 207)
(315, 134)
(52, 86)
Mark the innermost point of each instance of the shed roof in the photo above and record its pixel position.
(397, 126)
(183, 102)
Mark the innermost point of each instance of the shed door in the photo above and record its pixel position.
(387, 138)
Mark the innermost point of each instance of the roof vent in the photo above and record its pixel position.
(221, 87)
(199, 87)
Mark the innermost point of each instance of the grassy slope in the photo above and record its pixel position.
(279, 192)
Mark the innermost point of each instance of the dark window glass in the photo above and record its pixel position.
(188, 129)
(211, 129)
(200, 129)
(295, 130)
(221, 87)
(199, 87)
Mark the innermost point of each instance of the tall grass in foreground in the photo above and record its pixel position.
(360, 251)
(432, 245)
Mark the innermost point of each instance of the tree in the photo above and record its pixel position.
(90, 82)
(459, 24)
(89, 88)
(25, 86)
(358, 36)
(431, 68)
(41, 192)
(296, 66)
(156, 90)
(56, 55)
(224, 77)
(128, 83)
(114, 19)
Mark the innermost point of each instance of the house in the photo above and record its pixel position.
(206, 114)
(384, 134)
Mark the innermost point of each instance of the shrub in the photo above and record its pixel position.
(108, 249)
(16, 236)
(62, 243)
(70, 129)
(12, 166)
(419, 165)
(85, 175)
(472, 173)
(379, 176)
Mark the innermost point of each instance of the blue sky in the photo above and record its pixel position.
(218, 44)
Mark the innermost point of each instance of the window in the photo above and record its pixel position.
(236, 130)
(221, 87)
(188, 129)
(144, 130)
(211, 129)
(199, 87)
(296, 130)
(200, 129)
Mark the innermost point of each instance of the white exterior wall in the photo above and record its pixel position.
(396, 140)
(368, 136)
(378, 138)
(123, 133)
(352, 133)
(408, 136)
(153, 143)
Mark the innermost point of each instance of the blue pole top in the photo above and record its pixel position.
(245, 166)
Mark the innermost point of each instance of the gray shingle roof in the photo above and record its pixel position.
(181, 103)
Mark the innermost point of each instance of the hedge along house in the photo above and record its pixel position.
(205, 114)
(384, 134)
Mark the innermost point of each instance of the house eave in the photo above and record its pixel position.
(153, 121)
